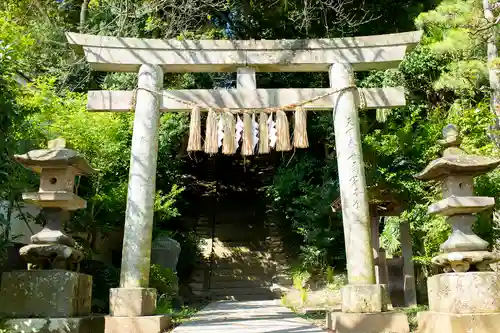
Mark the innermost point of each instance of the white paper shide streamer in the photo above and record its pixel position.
(220, 130)
(255, 132)
(239, 130)
(272, 131)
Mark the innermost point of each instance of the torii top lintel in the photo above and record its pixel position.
(117, 54)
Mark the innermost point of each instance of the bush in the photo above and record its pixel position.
(104, 277)
(165, 281)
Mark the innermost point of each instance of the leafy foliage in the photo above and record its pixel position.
(165, 281)
(446, 79)
(14, 48)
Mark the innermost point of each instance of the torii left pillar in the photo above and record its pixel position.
(132, 306)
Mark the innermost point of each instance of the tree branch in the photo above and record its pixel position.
(83, 15)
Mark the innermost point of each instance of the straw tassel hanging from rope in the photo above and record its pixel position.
(283, 132)
(229, 142)
(247, 148)
(194, 143)
(263, 134)
(211, 144)
(300, 130)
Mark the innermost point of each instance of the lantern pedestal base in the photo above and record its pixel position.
(51, 325)
(432, 322)
(464, 293)
(396, 322)
(45, 293)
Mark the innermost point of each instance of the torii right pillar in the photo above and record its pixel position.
(364, 303)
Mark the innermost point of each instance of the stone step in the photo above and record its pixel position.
(235, 284)
(225, 275)
(238, 269)
(248, 260)
(230, 224)
(273, 240)
(200, 277)
(220, 283)
(282, 279)
(201, 227)
(241, 249)
(277, 243)
(197, 288)
(239, 273)
(206, 234)
(238, 244)
(264, 266)
(231, 285)
(245, 298)
(278, 256)
(251, 259)
(240, 290)
(281, 270)
(201, 293)
(241, 294)
(225, 269)
(201, 262)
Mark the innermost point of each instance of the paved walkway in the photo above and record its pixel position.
(246, 317)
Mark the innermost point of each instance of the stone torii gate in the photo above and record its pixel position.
(132, 305)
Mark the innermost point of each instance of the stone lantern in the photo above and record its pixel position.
(52, 293)
(464, 298)
(58, 167)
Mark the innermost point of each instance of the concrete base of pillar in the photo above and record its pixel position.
(432, 322)
(368, 298)
(394, 322)
(132, 302)
(149, 324)
(51, 325)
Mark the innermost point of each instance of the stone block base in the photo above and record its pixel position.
(364, 298)
(132, 302)
(432, 322)
(471, 292)
(45, 293)
(394, 322)
(149, 324)
(51, 325)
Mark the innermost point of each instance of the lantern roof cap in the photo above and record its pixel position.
(455, 161)
(55, 156)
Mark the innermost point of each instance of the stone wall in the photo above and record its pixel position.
(22, 224)
(396, 281)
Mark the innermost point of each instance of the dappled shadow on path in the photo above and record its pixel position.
(242, 317)
(268, 317)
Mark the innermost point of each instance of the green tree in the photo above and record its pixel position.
(447, 77)
(14, 48)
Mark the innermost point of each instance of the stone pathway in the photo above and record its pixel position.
(246, 317)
